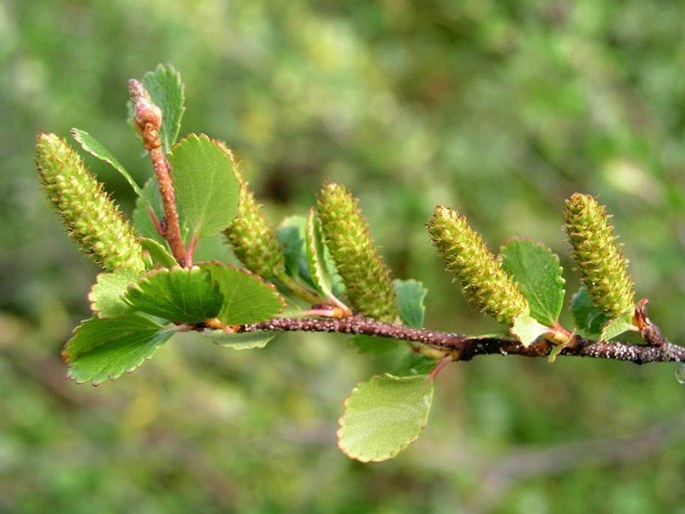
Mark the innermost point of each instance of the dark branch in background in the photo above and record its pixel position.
(499, 474)
(463, 348)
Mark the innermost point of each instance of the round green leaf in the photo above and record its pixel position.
(104, 349)
(247, 298)
(536, 270)
(180, 295)
(205, 184)
(384, 415)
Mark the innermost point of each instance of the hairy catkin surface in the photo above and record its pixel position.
(362, 269)
(603, 268)
(467, 258)
(253, 239)
(94, 222)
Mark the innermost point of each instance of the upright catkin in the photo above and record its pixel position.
(467, 258)
(253, 239)
(361, 267)
(602, 266)
(93, 220)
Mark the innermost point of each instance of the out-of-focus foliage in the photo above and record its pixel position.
(499, 109)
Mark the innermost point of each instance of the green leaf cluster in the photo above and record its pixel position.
(139, 304)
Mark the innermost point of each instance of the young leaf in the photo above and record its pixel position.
(316, 259)
(180, 295)
(527, 329)
(383, 416)
(167, 92)
(410, 297)
(247, 298)
(589, 319)
(107, 294)
(291, 234)
(102, 349)
(618, 326)
(205, 184)
(536, 270)
(142, 220)
(242, 341)
(148, 200)
(555, 352)
(95, 148)
(158, 253)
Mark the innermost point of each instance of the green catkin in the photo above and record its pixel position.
(253, 239)
(93, 220)
(603, 268)
(467, 258)
(362, 269)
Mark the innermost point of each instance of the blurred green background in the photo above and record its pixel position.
(502, 109)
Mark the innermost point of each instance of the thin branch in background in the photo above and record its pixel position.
(499, 477)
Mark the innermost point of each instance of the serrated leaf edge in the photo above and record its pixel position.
(150, 273)
(111, 377)
(202, 138)
(91, 300)
(249, 273)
